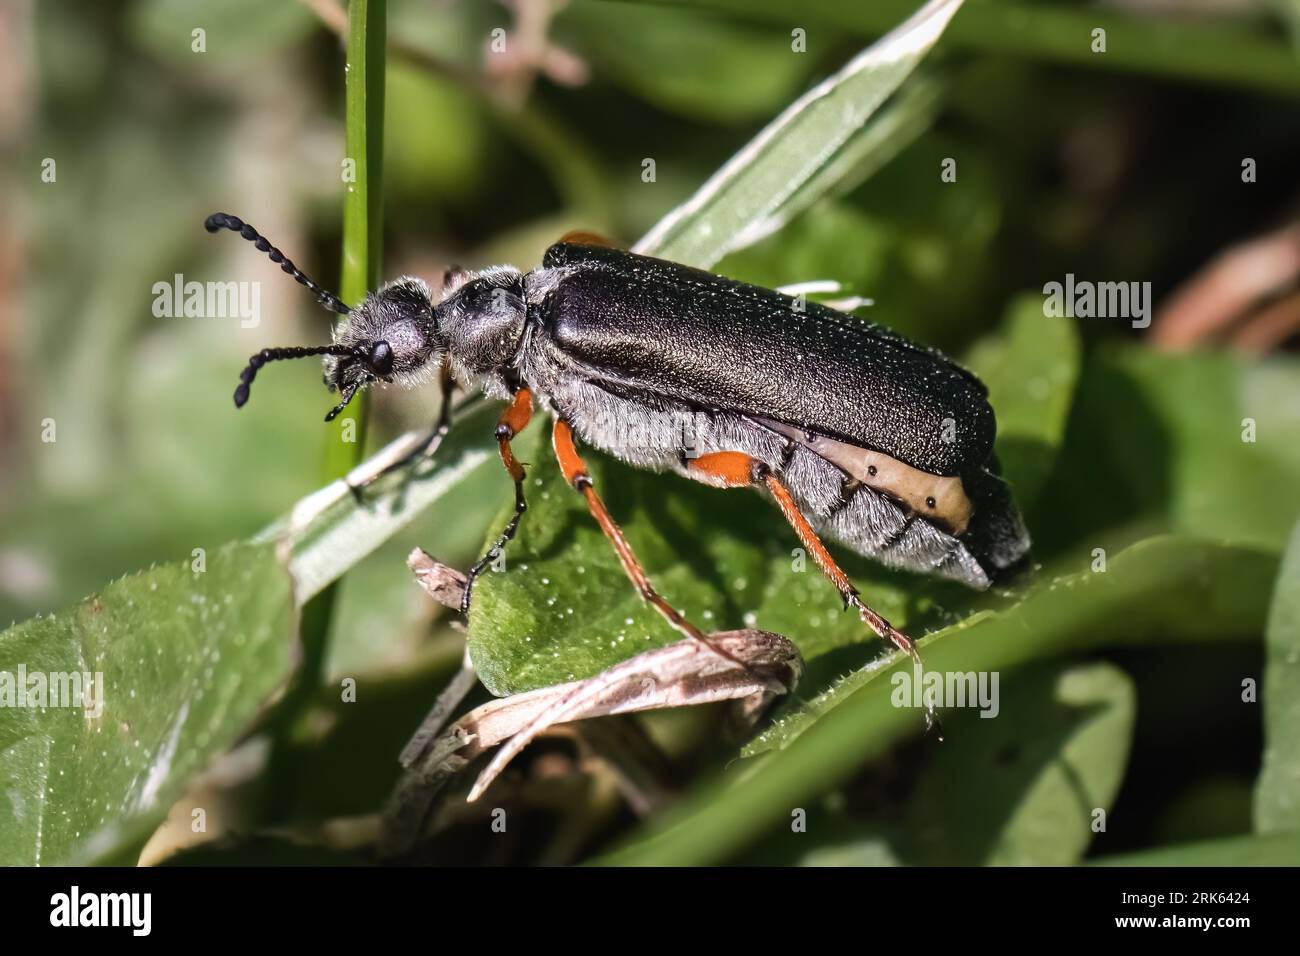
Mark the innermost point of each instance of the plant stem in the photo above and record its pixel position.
(346, 435)
(362, 202)
(567, 158)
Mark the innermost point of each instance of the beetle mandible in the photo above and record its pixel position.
(857, 433)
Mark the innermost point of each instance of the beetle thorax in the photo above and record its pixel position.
(482, 319)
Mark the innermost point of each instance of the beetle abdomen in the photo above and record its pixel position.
(941, 500)
(663, 434)
(712, 342)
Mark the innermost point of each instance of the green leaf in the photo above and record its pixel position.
(203, 654)
(853, 851)
(1031, 369)
(700, 66)
(188, 660)
(899, 123)
(1279, 849)
(330, 531)
(839, 243)
(921, 254)
(1219, 52)
(1206, 444)
(762, 185)
(165, 28)
(1141, 599)
(380, 618)
(1136, 600)
(1277, 794)
(1021, 788)
(1017, 788)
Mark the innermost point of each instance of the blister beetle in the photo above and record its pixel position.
(884, 445)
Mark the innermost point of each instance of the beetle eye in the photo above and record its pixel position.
(381, 358)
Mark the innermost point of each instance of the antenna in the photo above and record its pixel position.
(293, 352)
(221, 220)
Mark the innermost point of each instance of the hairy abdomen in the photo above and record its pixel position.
(650, 431)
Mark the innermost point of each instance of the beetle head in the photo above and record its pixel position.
(390, 336)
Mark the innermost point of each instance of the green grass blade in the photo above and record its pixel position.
(770, 178)
(362, 202)
(1226, 52)
(345, 437)
(329, 531)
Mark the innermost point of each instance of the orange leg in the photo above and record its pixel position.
(575, 473)
(733, 469)
(808, 537)
(513, 420)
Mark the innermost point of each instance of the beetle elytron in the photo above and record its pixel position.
(882, 444)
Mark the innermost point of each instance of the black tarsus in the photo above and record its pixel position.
(333, 413)
(503, 433)
(221, 220)
(521, 505)
(427, 447)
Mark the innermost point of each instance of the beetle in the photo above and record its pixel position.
(857, 433)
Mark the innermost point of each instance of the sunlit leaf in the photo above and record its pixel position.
(1030, 369)
(1142, 599)
(188, 659)
(1277, 794)
(330, 531)
(763, 184)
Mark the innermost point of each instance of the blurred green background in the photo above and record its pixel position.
(1106, 170)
